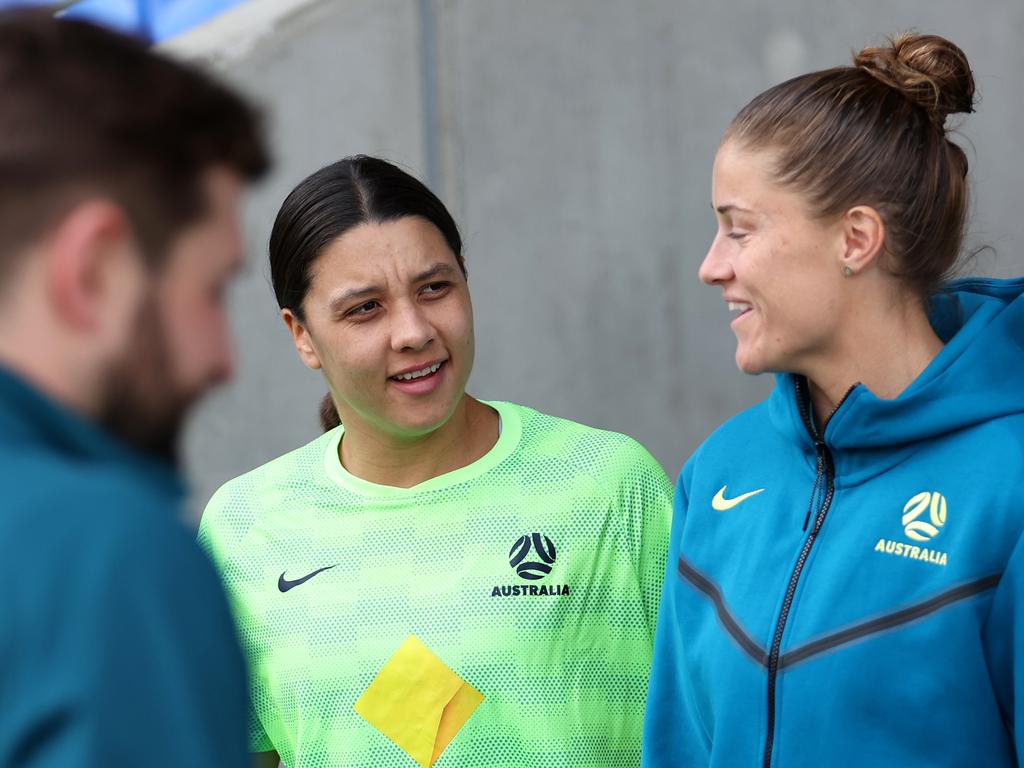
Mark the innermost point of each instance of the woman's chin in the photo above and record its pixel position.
(420, 421)
(749, 364)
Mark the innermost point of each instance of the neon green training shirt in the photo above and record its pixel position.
(533, 574)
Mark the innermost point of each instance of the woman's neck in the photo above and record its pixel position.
(384, 459)
(885, 355)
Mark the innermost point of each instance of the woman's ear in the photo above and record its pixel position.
(864, 239)
(302, 340)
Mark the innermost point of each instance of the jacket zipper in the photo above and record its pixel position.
(825, 474)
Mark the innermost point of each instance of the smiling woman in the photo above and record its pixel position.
(438, 578)
(874, 493)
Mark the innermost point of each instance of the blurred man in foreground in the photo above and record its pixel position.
(120, 177)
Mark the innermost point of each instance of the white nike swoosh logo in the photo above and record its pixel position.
(721, 503)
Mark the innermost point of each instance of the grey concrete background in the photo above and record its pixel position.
(573, 141)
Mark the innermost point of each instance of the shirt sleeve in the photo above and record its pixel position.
(673, 735)
(645, 499)
(1003, 636)
(214, 541)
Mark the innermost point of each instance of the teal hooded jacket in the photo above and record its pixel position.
(856, 598)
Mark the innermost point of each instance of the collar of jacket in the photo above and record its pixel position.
(30, 420)
(977, 377)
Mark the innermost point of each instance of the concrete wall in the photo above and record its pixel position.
(573, 141)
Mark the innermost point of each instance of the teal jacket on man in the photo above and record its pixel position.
(116, 644)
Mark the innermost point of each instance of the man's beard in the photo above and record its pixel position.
(143, 404)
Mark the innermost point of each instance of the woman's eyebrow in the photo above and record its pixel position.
(353, 293)
(435, 271)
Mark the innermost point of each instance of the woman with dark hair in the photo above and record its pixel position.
(438, 578)
(846, 569)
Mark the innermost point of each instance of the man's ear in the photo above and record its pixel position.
(92, 259)
(303, 341)
(863, 238)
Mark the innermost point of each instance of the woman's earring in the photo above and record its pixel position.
(848, 271)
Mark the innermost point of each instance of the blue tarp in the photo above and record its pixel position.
(152, 20)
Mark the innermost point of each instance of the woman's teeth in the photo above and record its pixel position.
(418, 374)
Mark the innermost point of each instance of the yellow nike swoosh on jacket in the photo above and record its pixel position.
(721, 503)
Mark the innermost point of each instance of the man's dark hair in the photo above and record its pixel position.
(85, 111)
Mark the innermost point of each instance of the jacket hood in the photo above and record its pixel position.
(978, 376)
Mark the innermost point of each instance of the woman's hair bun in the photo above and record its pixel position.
(928, 69)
